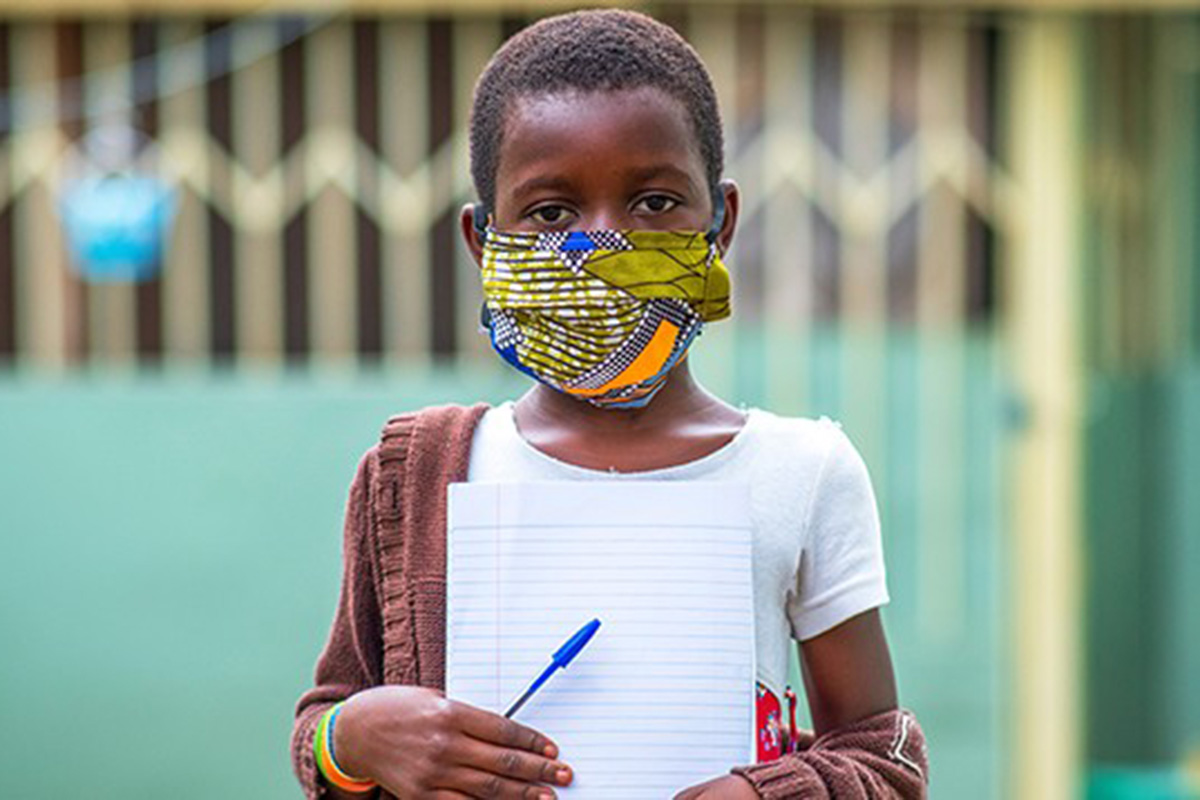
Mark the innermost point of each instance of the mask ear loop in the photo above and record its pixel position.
(718, 216)
(479, 216)
(718, 200)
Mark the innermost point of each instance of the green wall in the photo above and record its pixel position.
(171, 558)
(1143, 555)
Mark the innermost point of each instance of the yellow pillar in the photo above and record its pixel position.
(1044, 322)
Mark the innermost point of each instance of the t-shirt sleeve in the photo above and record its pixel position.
(841, 570)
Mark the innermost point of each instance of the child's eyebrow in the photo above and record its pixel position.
(642, 174)
(556, 182)
(634, 175)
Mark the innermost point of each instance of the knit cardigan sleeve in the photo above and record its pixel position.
(881, 757)
(352, 657)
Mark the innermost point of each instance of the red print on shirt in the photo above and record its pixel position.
(769, 722)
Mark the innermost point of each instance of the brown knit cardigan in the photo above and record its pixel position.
(390, 623)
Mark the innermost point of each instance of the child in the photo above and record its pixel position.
(603, 122)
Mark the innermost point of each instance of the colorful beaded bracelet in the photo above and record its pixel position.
(323, 751)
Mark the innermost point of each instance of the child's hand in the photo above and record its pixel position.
(416, 743)
(727, 787)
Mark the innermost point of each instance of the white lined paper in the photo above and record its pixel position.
(663, 696)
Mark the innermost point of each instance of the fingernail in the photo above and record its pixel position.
(563, 776)
(551, 750)
(547, 795)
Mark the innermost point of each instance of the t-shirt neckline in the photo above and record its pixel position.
(704, 464)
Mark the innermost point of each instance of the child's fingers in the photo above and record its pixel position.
(511, 763)
(477, 783)
(502, 731)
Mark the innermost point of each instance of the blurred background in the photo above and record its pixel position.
(228, 251)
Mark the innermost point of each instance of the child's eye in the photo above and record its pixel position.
(550, 215)
(656, 203)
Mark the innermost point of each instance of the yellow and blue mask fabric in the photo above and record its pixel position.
(601, 315)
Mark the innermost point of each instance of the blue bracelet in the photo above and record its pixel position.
(329, 740)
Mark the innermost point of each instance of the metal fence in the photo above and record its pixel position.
(323, 162)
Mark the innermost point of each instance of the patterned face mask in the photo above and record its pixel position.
(601, 315)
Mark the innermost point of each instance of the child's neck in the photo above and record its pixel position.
(682, 423)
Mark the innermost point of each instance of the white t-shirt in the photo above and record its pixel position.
(817, 555)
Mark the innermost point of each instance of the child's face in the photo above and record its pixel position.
(623, 159)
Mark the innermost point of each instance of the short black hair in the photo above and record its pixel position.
(593, 50)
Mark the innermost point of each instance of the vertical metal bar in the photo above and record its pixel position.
(39, 256)
(258, 245)
(1186, 105)
(1133, 109)
(404, 106)
(143, 33)
(828, 253)
(443, 282)
(941, 302)
(186, 322)
(293, 113)
(1043, 330)
(983, 37)
(222, 254)
(331, 240)
(69, 50)
(369, 311)
(1102, 37)
(8, 277)
(904, 128)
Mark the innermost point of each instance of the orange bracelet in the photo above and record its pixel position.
(323, 752)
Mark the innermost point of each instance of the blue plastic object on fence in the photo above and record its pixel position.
(117, 225)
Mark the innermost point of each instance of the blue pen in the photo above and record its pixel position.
(559, 660)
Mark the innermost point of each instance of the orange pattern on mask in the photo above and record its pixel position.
(646, 365)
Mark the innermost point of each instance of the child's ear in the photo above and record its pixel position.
(733, 200)
(467, 224)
